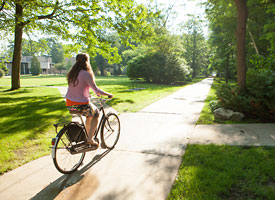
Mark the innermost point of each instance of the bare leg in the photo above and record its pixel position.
(91, 124)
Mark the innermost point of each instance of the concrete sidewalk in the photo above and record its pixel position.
(144, 164)
(235, 134)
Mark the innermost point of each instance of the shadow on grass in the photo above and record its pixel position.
(14, 92)
(32, 114)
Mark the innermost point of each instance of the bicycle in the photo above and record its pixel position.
(69, 146)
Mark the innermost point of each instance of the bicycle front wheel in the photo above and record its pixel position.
(64, 159)
(110, 130)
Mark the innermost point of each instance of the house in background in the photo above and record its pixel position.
(47, 67)
(46, 64)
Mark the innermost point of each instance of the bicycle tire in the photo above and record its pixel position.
(64, 161)
(110, 131)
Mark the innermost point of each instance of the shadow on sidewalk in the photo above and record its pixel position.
(55, 188)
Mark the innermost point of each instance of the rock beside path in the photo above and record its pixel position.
(222, 113)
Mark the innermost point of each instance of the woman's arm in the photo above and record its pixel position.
(91, 82)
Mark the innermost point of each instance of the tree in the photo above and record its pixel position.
(31, 47)
(162, 62)
(35, 66)
(242, 13)
(261, 29)
(60, 67)
(57, 53)
(222, 19)
(249, 47)
(3, 69)
(77, 20)
(68, 65)
(196, 51)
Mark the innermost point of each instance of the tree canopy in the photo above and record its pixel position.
(79, 20)
(257, 37)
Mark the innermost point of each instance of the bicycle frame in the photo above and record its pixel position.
(64, 147)
(101, 121)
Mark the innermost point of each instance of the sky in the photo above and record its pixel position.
(181, 10)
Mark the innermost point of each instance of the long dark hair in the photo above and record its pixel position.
(82, 63)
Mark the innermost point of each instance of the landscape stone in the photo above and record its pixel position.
(227, 114)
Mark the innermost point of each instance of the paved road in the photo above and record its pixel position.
(143, 165)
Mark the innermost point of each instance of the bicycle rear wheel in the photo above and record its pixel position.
(64, 161)
(110, 130)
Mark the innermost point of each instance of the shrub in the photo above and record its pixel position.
(157, 67)
(2, 73)
(257, 101)
(3, 69)
(214, 104)
(108, 73)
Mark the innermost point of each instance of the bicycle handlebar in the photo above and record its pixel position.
(102, 100)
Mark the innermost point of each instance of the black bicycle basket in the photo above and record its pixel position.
(75, 132)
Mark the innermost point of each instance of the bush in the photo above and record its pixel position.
(257, 101)
(35, 66)
(3, 70)
(108, 73)
(157, 67)
(2, 73)
(214, 104)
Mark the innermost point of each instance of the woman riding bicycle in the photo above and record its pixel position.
(80, 79)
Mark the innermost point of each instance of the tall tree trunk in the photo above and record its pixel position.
(101, 65)
(242, 11)
(193, 66)
(16, 60)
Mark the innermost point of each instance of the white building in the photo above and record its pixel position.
(45, 63)
(47, 67)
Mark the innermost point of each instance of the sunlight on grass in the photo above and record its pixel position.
(124, 100)
(41, 80)
(206, 116)
(210, 172)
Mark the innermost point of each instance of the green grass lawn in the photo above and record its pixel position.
(211, 172)
(123, 101)
(42, 80)
(27, 114)
(206, 116)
